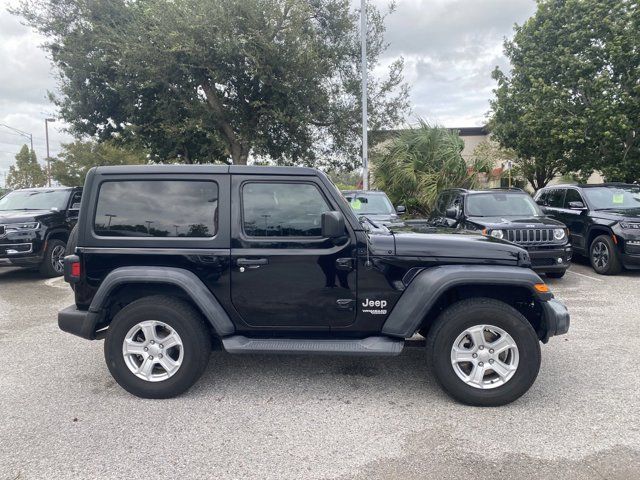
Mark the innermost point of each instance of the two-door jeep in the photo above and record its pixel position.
(168, 261)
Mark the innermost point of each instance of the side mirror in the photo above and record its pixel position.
(452, 212)
(332, 224)
(576, 206)
(540, 202)
(75, 206)
(400, 209)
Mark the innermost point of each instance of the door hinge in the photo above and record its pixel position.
(345, 263)
(345, 303)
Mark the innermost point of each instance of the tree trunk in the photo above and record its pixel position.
(239, 149)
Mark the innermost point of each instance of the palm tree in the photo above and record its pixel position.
(421, 162)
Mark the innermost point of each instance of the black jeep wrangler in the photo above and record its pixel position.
(171, 260)
(603, 221)
(34, 227)
(509, 214)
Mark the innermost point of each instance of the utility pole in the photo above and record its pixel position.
(20, 132)
(46, 133)
(365, 146)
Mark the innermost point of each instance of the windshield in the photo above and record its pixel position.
(370, 204)
(615, 198)
(35, 200)
(502, 205)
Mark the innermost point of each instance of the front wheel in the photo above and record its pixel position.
(604, 256)
(53, 262)
(157, 347)
(483, 352)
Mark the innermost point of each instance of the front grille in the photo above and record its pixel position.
(543, 262)
(531, 236)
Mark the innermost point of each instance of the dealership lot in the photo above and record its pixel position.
(63, 416)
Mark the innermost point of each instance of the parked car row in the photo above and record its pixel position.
(35, 225)
(601, 222)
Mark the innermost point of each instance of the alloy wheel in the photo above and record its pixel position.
(600, 254)
(57, 258)
(153, 351)
(484, 356)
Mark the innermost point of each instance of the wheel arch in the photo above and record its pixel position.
(126, 284)
(433, 290)
(596, 231)
(58, 234)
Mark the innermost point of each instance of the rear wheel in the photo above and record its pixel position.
(604, 256)
(53, 261)
(157, 347)
(483, 352)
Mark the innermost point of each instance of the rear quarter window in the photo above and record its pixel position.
(157, 208)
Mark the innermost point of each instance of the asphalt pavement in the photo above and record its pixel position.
(278, 417)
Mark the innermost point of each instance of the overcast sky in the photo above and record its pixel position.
(450, 48)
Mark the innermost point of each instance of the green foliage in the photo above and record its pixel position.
(75, 160)
(207, 81)
(421, 162)
(345, 180)
(571, 102)
(26, 172)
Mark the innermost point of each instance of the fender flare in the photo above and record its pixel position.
(427, 287)
(183, 279)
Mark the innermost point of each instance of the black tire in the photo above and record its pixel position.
(483, 311)
(182, 318)
(604, 256)
(72, 243)
(555, 274)
(51, 265)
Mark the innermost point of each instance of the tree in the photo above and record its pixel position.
(571, 102)
(421, 162)
(206, 80)
(75, 160)
(27, 172)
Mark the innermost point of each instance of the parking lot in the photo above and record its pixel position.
(275, 417)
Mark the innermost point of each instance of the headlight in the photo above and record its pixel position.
(559, 234)
(497, 234)
(21, 227)
(630, 226)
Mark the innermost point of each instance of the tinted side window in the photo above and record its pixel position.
(157, 208)
(75, 201)
(572, 196)
(555, 198)
(282, 209)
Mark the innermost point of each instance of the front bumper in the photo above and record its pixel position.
(545, 260)
(556, 318)
(21, 249)
(79, 322)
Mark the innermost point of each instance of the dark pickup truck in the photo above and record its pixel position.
(169, 261)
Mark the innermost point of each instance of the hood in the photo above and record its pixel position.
(447, 245)
(19, 216)
(384, 218)
(618, 215)
(516, 222)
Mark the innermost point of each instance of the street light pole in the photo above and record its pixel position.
(46, 133)
(363, 40)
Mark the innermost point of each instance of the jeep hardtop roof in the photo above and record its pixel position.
(488, 190)
(206, 169)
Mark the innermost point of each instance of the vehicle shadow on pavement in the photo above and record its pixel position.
(271, 375)
(10, 274)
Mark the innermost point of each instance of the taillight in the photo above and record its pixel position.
(75, 269)
(72, 269)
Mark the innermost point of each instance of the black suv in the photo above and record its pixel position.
(507, 214)
(375, 205)
(603, 221)
(34, 227)
(170, 259)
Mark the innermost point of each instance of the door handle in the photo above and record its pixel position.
(251, 262)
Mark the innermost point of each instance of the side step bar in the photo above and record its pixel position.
(374, 346)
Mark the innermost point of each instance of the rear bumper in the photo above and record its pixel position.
(551, 260)
(556, 318)
(78, 322)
